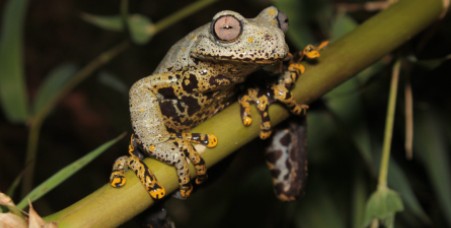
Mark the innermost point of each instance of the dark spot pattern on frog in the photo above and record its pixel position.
(287, 159)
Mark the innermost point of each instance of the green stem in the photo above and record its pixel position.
(30, 159)
(177, 16)
(39, 117)
(340, 61)
(390, 119)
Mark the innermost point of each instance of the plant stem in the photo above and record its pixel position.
(177, 16)
(39, 117)
(390, 119)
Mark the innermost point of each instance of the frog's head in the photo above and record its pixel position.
(231, 37)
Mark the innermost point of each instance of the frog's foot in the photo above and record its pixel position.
(117, 177)
(283, 95)
(262, 101)
(146, 177)
(177, 150)
(184, 141)
(133, 162)
(312, 52)
(207, 140)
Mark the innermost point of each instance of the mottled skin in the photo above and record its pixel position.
(286, 158)
(195, 80)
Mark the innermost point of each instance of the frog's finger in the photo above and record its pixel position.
(198, 162)
(146, 177)
(265, 126)
(117, 177)
(284, 96)
(245, 102)
(312, 52)
(208, 140)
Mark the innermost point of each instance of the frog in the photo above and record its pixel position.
(198, 78)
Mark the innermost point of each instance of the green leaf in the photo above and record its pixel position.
(141, 28)
(298, 31)
(53, 83)
(113, 82)
(13, 93)
(430, 64)
(342, 25)
(65, 173)
(112, 23)
(398, 180)
(383, 205)
(432, 149)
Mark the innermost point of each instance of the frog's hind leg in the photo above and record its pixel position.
(135, 163)
(286, 159)
(170, 152)
(146, 177)
(207, 140)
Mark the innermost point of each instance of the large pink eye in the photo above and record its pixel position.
(227, 28)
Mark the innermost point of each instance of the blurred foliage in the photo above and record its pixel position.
(346, 127)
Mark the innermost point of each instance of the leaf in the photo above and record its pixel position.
(112, 82)
(432, 149)
(398, 180)
(36, 221)
(298, 30)
(430, 64)
(7, 202)
(65, 173)
(11, 220)
(112, 23)
(342, 25)
(52, 84)
(383, 205)
(13, 93)
(141, 28)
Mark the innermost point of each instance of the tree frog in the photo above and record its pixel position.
(197, 78)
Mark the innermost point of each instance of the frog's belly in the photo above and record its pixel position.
(189, 111)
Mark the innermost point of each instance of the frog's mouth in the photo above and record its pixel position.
(235, 59)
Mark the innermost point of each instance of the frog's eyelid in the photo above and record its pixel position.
(226, 28)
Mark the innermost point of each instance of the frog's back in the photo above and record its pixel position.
(178, 56)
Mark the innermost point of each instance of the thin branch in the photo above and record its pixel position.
(390, 119)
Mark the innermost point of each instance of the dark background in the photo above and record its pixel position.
(239, 191)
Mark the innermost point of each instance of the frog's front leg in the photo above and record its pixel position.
(154, 140)
(277, 92)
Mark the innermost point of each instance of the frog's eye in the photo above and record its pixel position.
(227, 28)
(282, 19)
